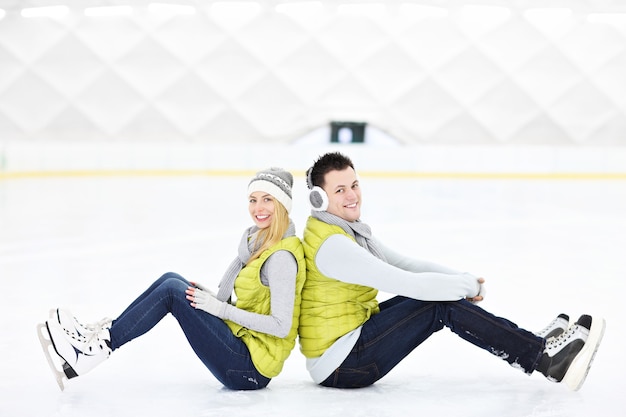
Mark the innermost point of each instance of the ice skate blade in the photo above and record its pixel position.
(578, 370)
(46, 345)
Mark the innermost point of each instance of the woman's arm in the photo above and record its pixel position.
(280, 269)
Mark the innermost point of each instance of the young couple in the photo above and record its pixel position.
(322, 289)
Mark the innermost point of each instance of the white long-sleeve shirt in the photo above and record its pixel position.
(340, 258)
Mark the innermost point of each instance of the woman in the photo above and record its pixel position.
(243, 344)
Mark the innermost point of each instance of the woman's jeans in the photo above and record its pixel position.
(226, 356)
(404, 323)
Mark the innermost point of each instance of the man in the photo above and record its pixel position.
(350, 340)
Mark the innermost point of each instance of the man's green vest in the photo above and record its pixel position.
(330, 308)
(268, 352)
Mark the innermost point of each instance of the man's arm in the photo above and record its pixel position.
(341, 258)
(412, 264)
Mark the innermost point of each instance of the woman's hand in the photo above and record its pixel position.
(205, 300)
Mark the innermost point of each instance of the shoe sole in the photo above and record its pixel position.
(578, 370)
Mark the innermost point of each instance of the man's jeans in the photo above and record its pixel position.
(404, 323)
(226, 356)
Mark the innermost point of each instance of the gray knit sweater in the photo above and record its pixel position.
(279, 274)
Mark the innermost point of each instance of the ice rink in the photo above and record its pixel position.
(93, 243)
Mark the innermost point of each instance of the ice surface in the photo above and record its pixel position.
(93, 244)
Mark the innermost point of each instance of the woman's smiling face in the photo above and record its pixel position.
(261, 208)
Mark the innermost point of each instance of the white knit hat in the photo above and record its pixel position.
(275, 181)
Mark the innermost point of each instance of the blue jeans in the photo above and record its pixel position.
(226, 356)
(404, 323)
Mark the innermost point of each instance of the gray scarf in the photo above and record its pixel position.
(247, 245)
(360, 231)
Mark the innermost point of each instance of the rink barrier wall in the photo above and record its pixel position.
(18, 160)
(375, 174)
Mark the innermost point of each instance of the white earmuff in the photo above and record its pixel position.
(318, 199)
(317, 196)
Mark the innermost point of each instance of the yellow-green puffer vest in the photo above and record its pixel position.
(268, 352)
(330, 308)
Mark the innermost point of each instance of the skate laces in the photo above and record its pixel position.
(549, 327)
(566, 337)
(95, 326)
(100, 324)
(93, 339)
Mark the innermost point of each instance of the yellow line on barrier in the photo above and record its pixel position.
(501, 175)
(373, 174)
(126, 173)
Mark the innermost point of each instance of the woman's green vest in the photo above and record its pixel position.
(330, 308)
(268, 352)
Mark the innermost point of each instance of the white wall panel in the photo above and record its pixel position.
(445, 72)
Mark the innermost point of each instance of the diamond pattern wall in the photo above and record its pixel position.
(440, 72)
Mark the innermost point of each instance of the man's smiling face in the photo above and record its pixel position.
(344, 194)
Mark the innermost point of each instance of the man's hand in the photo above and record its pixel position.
(481, 292)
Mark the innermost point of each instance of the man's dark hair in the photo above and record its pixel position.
(332, 161)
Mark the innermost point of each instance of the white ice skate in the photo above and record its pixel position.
(70, 324)
(75, 355)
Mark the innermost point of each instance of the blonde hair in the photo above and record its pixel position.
(268, 237)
